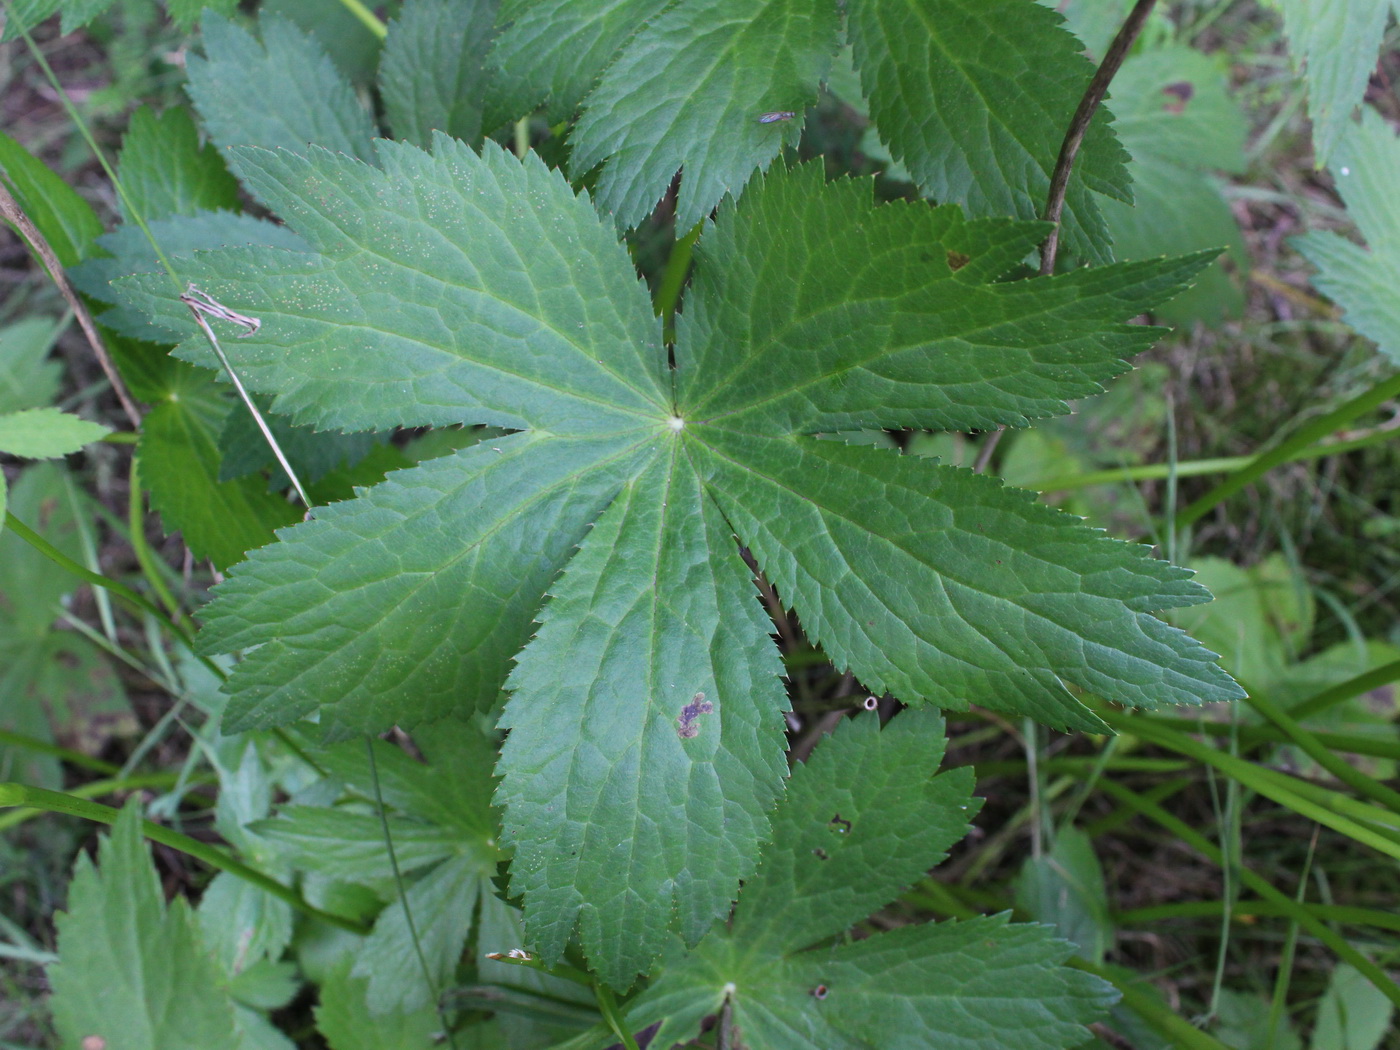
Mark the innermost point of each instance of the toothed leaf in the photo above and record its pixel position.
(598, 548)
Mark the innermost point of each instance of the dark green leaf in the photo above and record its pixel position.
(432, 75)
(715, 87)
(67, 221)
(453, 288)
(647, 716)
(553, 52)
(312, 453)
(220, 520)
(863, 818)
(975, 96)
(352, 45)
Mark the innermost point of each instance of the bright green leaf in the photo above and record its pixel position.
(46, 433)
(282, 93)
(67, 221)
(1364, 282)
(975, 96)
(1335, 42)
(131, 973)
(1354, 1013)
(432, 76)
(464, 289)
(165, 171)
(29, 378)
(220, 520)
(344, 1017)
(715, 87)
(863, 818)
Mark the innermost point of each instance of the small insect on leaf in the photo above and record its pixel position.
(777, 115)
(203, 303)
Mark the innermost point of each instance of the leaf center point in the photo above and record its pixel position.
(676, 423)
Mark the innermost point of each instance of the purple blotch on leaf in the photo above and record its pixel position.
(688, 724)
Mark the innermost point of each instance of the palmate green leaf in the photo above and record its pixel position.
(1336, 43)
(645, 741)
(714, 87)
(863, 818)
(974, 97)
(131, 974)
(1363, 281)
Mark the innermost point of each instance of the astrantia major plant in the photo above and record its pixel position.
(584, 574)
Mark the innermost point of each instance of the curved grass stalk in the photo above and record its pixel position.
(1306, 436)
(1326, 808)
(1287, 906)
(98, 788)
(12, 794)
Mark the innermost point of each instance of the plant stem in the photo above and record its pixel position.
(1079, 126)
(137, 527)
(366, 18)
(12, 794)
(97, 788)
(613, 1016)
(14, 214)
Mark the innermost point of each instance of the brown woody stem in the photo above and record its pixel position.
(1079, 126)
